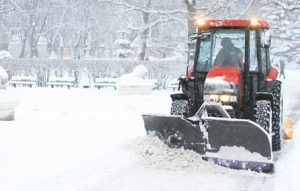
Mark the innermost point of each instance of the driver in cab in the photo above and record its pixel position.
(229, 55)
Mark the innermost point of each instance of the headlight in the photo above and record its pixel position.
(224, 98)
(220, 98)
(233, 98)
(214, 97)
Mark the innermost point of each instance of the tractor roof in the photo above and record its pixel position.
(253, 23)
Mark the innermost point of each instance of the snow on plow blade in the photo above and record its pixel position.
(177, 131)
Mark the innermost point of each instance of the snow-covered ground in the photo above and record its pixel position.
(94, 140)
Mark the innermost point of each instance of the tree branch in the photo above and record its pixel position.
(286, 6)
(247, 9)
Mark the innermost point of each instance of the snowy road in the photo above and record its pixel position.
(69, 140)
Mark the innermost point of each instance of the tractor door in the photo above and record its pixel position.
(202, 64)
(259, 68)
(263, 57)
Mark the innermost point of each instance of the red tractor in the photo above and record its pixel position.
(231, 99)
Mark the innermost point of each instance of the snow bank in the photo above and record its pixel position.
(136, 78)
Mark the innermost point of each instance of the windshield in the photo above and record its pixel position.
(225, 47)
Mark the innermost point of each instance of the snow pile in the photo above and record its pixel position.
(5, 54)
(3, 78)
(135, 83)
(238, 153)
(153, 153)
(136, 78)
(7, 103)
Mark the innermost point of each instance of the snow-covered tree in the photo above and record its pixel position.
(88, 28)
(284, 20)
(31, 22)
(143, 17)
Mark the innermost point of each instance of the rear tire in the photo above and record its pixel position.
(179, 107)
(263, 114)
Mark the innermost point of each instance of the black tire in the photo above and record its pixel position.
(179, 107)
(277, 134)
(263, 114)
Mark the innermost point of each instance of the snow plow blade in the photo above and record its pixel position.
(239, 133)
(214, 133)
(176, 131)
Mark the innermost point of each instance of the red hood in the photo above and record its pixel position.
(229, 73)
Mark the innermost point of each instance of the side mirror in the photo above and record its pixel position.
(266, 38)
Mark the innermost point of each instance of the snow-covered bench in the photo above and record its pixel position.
(23, 81)
(67, 82)
(105, 82)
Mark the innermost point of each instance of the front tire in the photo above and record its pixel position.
(277, 134)
(263, 114)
